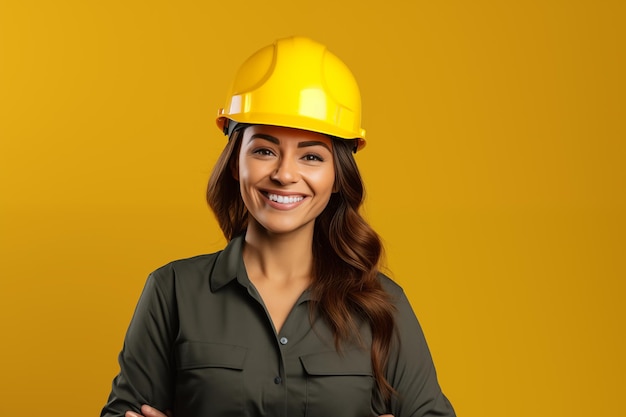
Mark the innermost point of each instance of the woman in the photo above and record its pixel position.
(292, 317)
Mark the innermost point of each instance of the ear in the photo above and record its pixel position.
(234, 168)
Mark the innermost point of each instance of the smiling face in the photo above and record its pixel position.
(286, 177)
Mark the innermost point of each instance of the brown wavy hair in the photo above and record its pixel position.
(346, 252)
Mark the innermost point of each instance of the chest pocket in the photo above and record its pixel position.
(338, 384)
(209, 379)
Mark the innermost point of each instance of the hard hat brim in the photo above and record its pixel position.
(296, 122)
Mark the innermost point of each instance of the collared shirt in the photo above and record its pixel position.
(201, 344)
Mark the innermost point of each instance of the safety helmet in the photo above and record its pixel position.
(295, 82)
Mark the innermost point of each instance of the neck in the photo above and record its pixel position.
(278, 257)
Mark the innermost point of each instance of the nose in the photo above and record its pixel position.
(286, 171)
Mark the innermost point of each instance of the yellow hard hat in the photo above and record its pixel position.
(296, 82)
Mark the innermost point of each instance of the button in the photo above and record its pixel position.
(283, 340)
(277, 380)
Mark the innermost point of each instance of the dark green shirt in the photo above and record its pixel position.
(202, 344)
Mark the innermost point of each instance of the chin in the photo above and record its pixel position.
(282, 228)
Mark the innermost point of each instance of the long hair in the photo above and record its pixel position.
(346, 253)
(223, 194)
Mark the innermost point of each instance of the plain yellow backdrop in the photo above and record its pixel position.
(494, 170)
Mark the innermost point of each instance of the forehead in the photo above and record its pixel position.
(285, 134)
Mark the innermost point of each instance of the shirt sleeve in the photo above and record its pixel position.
(411, 371)
(146, 367)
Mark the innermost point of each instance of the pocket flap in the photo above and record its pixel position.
(352, 362)
(193, 355)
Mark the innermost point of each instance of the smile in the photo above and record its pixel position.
(284, 199)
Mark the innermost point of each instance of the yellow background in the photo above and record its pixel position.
(495, 174)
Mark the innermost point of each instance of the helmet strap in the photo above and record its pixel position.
(230, 126)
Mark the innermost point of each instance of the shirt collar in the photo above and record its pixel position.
(229, 264)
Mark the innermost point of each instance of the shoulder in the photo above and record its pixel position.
(397, 296)
(214, 269)
(390, 286)
(194, 263)
(186, 269)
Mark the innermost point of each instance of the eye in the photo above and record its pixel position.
(313, 157)
(263, 152)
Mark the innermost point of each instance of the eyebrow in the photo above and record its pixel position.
(276, 141)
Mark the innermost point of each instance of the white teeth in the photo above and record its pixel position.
(283, 199)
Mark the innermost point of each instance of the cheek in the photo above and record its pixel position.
(245, 171)
(325, 182)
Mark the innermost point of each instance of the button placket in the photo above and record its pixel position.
(278, 380)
